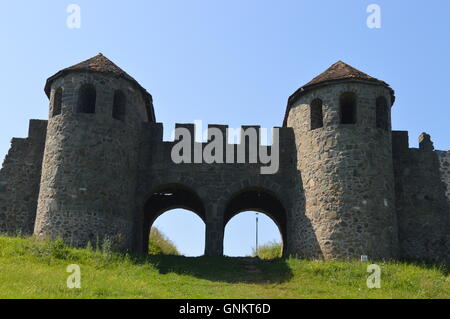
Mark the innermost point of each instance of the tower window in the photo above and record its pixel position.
(86, 99)
(316, 114)
(57, 101)
(119, 102)
(347, 104)
(382, 113)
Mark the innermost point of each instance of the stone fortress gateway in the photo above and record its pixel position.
(346, 185)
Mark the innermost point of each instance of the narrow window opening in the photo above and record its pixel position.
(316, 113)
(86, 99)
(57, 102)
(119, 105)
(382, 113)
(348, 108)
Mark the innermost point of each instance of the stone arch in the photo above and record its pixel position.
(347, 108)
(258, 181)
(87, 96)
(262, 200)
(164, 198)
(57, 101)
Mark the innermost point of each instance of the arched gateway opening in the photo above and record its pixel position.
(258, 200)
(165, 198)
(241, 232)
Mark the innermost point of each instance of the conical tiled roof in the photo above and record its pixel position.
(338, 72)
(102, 64)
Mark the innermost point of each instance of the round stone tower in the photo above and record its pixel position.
(341, 121)
(91, 154)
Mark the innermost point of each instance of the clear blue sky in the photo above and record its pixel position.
(230, 62)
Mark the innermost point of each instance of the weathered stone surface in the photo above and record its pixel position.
(444, 167)
(347, 176)
(90, 164)
(422, 203)
(425, 143)
(19, 181)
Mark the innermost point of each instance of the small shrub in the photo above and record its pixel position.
(106, 251)
(89, 246)
(271, 250)
(56, 249)
(159, 244)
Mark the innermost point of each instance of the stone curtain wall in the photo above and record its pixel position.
(19, 181)
(444, 160)
(422, 206)
(347, 175)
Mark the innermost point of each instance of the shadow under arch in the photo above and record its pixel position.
(260, 200)
(167, 197)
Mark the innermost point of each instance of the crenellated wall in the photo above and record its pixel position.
(422, 207)
(215, 185)
(19, 181)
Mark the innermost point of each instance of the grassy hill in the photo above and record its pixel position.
(30, 269)
(160, 244)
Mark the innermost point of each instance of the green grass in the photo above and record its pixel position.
(30, 269)
(271, 250)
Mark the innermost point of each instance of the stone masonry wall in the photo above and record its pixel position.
(90, 164)
(347, 175)
(215, 185)
(19, 181)
(444, 166)
(422, 207)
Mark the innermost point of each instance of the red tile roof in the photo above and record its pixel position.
(102, 64)
(338, 72)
